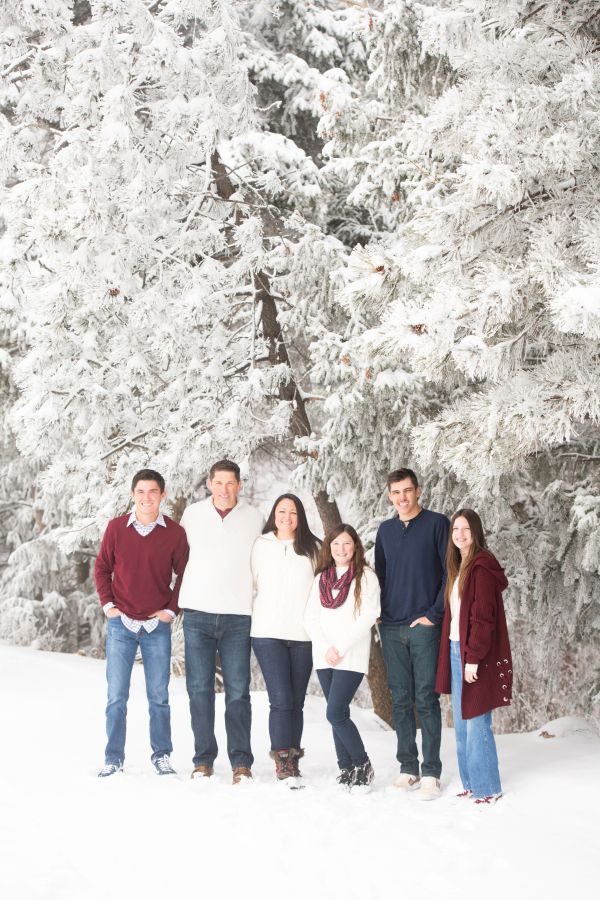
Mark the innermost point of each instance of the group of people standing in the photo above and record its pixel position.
(435, 592)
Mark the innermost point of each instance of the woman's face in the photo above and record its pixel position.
(461, 535)
(342, 549)
(286, 518)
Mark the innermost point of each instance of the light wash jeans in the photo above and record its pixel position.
(475, 744)
(121, 647)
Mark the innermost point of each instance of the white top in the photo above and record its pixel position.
(454, 612)
(217, 578)
(282, 581)
(454, 619)
(350, 633)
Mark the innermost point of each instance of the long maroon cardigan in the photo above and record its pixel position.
(483, 640)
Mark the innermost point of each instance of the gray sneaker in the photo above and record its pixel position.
(163, 766)
(110, 769)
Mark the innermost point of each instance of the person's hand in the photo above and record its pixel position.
(113, 613)
(470, 677)
(333, 657)
(422, 620)
(163, 615)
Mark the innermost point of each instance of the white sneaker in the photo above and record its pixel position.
(407, 782)
(430, 788)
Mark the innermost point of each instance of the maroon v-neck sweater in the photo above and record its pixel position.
(135, 572)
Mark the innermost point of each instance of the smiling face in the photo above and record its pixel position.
(286, 519)
(147, 497)
(224, 488)
(342, 550)
(461, 535)
(404, 497)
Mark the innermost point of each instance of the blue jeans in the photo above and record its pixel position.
(410, 656)
(205, 634)
(286, 666)
(475, 744)
(339, 688)
(121, 647)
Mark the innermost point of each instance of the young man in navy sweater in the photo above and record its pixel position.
(134, 570)
(410, 554)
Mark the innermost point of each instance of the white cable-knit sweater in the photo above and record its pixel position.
(350, 633)
(217, 578)
(282, 581)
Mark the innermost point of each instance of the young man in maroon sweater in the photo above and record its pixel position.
(134, 570)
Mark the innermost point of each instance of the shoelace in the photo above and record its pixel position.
(108, 769)
(163, 763)
(464, 794)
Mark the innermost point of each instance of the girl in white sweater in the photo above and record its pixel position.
(283, 564)
(342, 607)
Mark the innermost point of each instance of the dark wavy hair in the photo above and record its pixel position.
(305, 542)
(358, 561)
(456, 567)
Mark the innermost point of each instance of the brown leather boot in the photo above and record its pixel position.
(204, 771)
(241, 774)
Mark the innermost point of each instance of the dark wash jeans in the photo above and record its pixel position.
(339, 688)
(410, 656)
(286, 667)
(121, 647)
(205, 634)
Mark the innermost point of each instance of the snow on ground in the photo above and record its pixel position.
(66, 834)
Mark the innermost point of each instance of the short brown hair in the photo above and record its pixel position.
(402, 475)
(225, 465)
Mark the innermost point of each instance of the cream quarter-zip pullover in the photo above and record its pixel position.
(282, 581)
(218, 578)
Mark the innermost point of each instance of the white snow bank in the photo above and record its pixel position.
(66, 834)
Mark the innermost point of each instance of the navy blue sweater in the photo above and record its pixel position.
(410, 565)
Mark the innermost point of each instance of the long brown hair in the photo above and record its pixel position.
(305, 542)
(456, 566)
(358, 560)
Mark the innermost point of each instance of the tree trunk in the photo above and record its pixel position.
(300, 427)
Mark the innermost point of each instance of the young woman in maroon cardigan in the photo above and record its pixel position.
(474, 664)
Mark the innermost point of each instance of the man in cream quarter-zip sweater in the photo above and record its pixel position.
(216, 598)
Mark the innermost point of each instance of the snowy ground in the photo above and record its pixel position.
(66, 834)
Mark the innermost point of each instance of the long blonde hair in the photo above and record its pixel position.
(456, 566)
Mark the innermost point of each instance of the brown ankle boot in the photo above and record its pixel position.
(241, 774)
(202, 771)
(283, 764)
(295, 755)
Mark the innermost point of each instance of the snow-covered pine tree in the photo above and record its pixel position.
(136, 277)
(489, 290)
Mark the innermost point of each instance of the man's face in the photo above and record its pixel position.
(224, 488)
(147, 497)
(404, 497)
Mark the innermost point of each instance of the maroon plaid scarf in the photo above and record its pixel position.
(328, 583)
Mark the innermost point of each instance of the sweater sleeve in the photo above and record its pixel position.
(104, 567)
(253, 568)
(180, 558)
(380, 560)
(370, 608)
(312, 622)
(482, 616)
(435, 613)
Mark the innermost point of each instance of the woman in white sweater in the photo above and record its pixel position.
(342, 607)
(283, 564)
